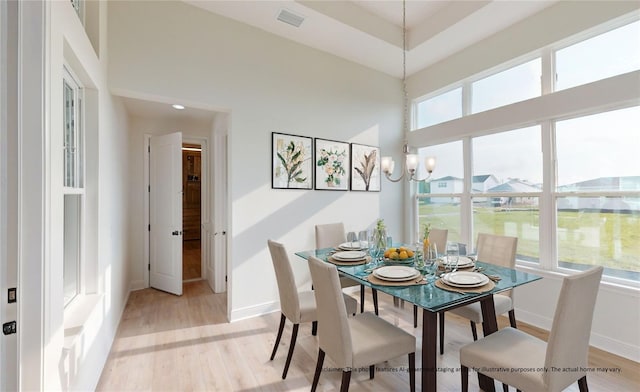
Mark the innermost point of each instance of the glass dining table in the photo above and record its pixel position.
(433, 300)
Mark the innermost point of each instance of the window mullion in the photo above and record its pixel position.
(548, 74)
(466, 209)
(548, 213)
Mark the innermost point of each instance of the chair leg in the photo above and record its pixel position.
(474, 332)
(314, 328)
(512, 318)
(412, 372)
(316, 375)
(582, 384)
(415, 316)
(361, 298)
(280, 329)
(294, 335)
(464, 378)
(372, 372)
(346, 378)
(441, 319)
(374, 293)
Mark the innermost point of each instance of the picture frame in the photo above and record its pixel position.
(365, 168)
(332, 165)
(291, 161)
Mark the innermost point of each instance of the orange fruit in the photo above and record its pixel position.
(403, 255)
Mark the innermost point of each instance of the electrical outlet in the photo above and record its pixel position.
(9, 328)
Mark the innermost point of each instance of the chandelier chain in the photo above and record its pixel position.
(405, 94)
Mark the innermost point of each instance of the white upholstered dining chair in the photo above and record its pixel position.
(498, 250)
(331, 235)
(566, 350)
(363, 340)
(298, 307)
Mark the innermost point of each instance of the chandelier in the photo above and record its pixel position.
(410, 166)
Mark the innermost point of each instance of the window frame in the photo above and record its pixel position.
(548, 217)
(79, 169)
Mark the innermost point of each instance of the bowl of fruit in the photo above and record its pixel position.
(401, 255)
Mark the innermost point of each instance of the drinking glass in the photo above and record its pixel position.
(453, 255)
(373, 248)
(351, 238)
(363, 237)
(419, 256)
(430, 261)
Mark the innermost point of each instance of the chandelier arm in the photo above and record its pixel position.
(388, 176)
(423, 179)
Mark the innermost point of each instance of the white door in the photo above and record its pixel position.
(217, 269)
(165, 213)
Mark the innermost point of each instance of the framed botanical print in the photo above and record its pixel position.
(332, 165)
(291, 161)
(365, 168)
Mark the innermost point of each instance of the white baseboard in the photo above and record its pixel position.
(615, 347)
(254, 311)
(602, 342)
(137, 285)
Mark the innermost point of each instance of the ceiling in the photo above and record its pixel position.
(366, 32)
(369, 32)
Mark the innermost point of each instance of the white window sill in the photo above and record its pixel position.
(625, 289)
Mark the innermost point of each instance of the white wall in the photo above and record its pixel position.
(54, 355)
(617, 313)
(268, 84)
(137, 189)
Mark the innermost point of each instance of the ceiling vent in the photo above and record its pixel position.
(290, 18)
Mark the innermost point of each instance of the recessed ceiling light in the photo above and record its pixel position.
(176, 106)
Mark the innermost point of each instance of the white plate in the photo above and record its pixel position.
(396, 273)
(351, 255)
(465, 279)
(356, 245)
(463, 262)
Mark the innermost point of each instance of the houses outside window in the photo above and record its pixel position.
(568, 187)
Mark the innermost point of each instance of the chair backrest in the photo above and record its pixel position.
(334, 336)
(328, 235)
(568, 344)
(289, 301)
(439, 237)
(497, 249)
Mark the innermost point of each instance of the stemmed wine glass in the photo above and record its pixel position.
(430, 261)
(453, 255)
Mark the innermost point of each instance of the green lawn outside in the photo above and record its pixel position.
(591, 238)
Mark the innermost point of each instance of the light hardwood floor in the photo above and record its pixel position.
(191, 261)
(170, 343)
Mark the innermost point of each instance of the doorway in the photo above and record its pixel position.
(191, 211)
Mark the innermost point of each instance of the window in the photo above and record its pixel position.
(73, 168)
(506, 187)
(441, 108)
(568, 187)
(506, 87)
(609, 54)
(440, 206)
(598, 196)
